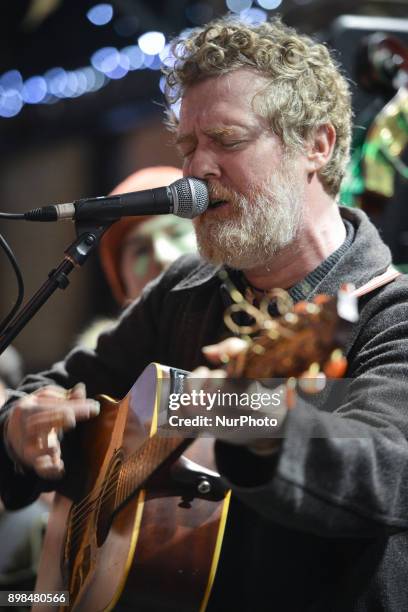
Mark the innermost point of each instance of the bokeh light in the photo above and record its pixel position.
(56, 79)
(120, 69)
(237, 6)
(12, 79)
(71, 86)
(11, 103)
(34, 90)
(253, 16)
(269, 5)
(135, 57)
(81, 83)
(100, 14)
(152, 43)
(107, 63)
(106, 59)
(96, 80)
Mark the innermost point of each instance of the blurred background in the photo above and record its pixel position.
(81, 108)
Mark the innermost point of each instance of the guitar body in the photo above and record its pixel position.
(141, 548)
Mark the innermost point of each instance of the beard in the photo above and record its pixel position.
(259, 225)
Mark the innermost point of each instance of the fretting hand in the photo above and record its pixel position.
(216, 383)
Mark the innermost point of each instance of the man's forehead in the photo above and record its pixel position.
(245, 79)
(223, 103)
(236, 89)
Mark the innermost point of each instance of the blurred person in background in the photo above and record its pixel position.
(377, 176)
(135, 250)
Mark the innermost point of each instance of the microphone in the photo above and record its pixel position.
(187, 197)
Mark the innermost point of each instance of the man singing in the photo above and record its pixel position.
(318, 517)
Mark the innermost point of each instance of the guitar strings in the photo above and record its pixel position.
(79, 518)
(85, 501)
(94, 496)
(129, 470)
(80, 523)
(82, 510)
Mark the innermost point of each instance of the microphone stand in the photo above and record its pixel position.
(89, 234)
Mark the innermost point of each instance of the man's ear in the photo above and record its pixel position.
(320, 147)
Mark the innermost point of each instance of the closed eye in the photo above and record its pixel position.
(232, 145)
(185, 154)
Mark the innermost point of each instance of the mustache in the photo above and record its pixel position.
(219, 192)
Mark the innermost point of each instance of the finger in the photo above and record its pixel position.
(42, 444)
(43, 421)
(64, 416)
(200, 372)
(48, 443)
(51, 391)
(223, 351)
(85, 409)
(28, 401)
(217, 374)
(77, 392)
(49, 467)
(204, 379)
(52, 442)
(196, 379)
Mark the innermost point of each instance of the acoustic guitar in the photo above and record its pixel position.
(145, 531)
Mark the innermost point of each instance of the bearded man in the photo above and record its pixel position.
(318, 516)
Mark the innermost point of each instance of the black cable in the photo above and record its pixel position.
(4, 215)
(20, 283)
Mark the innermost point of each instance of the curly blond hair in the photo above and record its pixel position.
(306, 91)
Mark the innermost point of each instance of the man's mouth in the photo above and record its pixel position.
(217, 203)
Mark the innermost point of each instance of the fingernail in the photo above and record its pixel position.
(95, 406)
(208, 348)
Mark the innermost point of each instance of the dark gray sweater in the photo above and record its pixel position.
(322, 525)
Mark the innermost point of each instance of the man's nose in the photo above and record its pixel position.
(203, 164)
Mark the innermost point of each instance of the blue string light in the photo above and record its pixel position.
(100, 14)
(106, 64)
(253, 16)
(11, 103)
(152, 43)
(237, 6)
(269, 5)
(34, 90)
